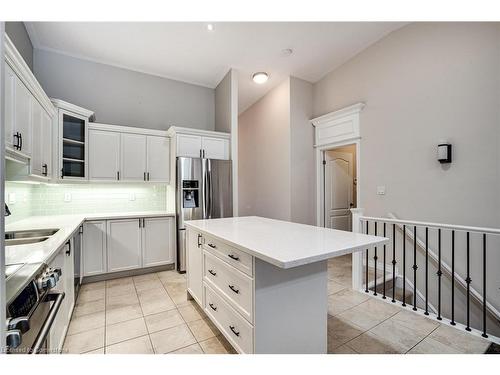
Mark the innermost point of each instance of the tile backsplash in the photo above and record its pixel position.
(46, 199)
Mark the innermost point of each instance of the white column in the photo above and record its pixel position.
(357, 257)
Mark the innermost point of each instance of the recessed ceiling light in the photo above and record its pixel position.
(260, 77)
(287, 51)
(210, 27)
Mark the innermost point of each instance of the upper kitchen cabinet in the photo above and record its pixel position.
(72, 137)
(28, 116)
(194, 143)
(128, 154)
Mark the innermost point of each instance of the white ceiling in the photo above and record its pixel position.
(189, 52)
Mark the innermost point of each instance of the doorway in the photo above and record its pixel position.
(340, 186)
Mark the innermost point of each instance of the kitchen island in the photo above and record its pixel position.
(263, 282)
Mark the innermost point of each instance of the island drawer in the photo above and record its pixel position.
(234, 327)
(235, 257)
(233, 284)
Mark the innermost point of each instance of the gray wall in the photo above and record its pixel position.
(423, 83)
(19, 36)
(124, 97)
(223, 104)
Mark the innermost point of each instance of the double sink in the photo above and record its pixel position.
(24, 237)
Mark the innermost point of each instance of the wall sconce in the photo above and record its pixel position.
(444, 152)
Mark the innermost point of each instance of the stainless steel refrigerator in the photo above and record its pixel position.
(203, 191)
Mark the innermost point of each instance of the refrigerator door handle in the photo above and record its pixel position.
(204, 186)
(209, 191)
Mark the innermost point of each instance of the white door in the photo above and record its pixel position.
(215, 148)
(94, 248)
(194, 266)
(10, 93)
(104, 155)
(46, 144)
(124, 245)
(158, 235)
(22, 115)
(339, 181)
(158, 159)
(189, 145)
(133, 157)
(36, 138)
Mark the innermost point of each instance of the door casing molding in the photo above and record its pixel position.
(336, 129)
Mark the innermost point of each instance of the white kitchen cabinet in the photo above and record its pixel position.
(94, 248)
(36, 133)
(133, 157)
(22, 118)
(158, 241)
(64, 261)
(10, 92)
(189, 145)
(194, 265)
(124, 245)
(104, 155)
(158, 159)
(215, 148)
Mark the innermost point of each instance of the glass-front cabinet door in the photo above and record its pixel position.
(73, 131)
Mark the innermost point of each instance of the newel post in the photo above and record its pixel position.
(357, 257)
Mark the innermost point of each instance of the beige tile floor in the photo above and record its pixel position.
(151, 314)
(141, 315)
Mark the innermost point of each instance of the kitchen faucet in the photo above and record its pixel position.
(7, 211)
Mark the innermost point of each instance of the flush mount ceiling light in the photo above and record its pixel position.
(260, 77)
(210, 27)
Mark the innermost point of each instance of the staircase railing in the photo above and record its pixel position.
(402, 251)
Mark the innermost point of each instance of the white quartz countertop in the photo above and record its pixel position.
(282, 243)
(67, 225)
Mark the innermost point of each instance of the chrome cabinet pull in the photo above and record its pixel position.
(199, 240)
(16, 144)
(234, 331)
(212, 306)
(237, 291)
(212, 272)
(212, 246)
(233, 257)
(45, 169)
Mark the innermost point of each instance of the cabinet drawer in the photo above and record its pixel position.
(233, 284)
(234, 327)
(235, 257)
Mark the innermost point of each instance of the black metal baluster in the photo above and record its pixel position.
(468, 281)
(383, 296)
(484, 286)
(439, 274)
(415, 267)
(452, 278)
(426, 271)
(366, 268)
(404, 265)
(375, 261)
(393, 263)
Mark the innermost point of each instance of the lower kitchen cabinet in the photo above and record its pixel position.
(158, 241)
(124, 245)
(64, 261)
(94, 248)
(194, 265)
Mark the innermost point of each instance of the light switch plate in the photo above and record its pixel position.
(380, 190)
(67, 197)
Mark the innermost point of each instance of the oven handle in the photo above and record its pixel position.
(42, 336)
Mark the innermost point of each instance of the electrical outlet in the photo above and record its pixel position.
(131, 197)
(67, 197)
(380, 190)
(12, 198)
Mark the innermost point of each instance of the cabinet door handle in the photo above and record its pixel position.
(234, 331)
(144, 176)
(212, 306)
(118, 175)
(199, 240)
(45, 169)
(212, 272)
(68, 251)
(212, 246)
(62, 173)
(203, 154)
(20, 141)
(16, 143)
(147, 176)
(234, 257)
(237, 291)
(200, 153)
